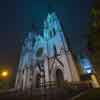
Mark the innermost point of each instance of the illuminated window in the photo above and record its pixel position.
(89, 71)
(86, 65)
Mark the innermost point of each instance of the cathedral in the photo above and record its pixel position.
(45, 59)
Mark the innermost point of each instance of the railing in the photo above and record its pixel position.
(65, 84)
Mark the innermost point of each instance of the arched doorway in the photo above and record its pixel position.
(59, 78)
(38, 81)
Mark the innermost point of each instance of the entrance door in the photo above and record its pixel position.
(59, 78)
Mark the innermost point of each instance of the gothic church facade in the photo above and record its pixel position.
(46, 58)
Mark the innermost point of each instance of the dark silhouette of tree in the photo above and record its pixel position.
(94, 36)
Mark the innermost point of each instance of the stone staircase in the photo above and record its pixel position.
(62, 93)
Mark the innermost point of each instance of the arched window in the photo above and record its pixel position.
(39, 52)
(54, 33)
(50, 34)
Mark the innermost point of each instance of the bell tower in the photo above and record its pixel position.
(25, 67)
(60, 62)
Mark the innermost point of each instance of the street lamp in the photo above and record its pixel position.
(4, 73)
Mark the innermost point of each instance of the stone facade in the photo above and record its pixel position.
(45, 58)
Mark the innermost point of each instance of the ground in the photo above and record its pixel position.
(51, 94)
(92, 94)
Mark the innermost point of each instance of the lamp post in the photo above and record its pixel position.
(4, 74)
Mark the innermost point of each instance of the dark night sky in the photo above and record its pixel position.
(17, 16)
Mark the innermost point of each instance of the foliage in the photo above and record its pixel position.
(4, 84)
(94, 35)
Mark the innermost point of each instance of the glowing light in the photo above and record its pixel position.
(4, 74)
(95, 83)
(89, 71)
(86, 65)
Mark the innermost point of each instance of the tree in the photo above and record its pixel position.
(94, 36)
